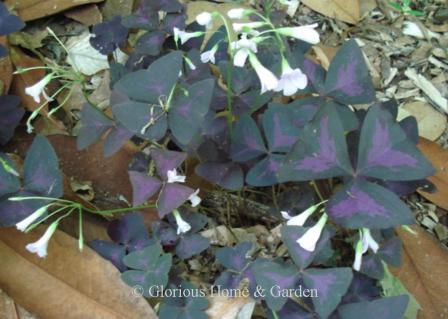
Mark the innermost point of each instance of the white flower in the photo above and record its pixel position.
(267, 79)
(173, 177)
(359, 251)
(24, 224)
(368, 241)
(291, 80)
(300, 219)
(185, 36)
(40, 247)
(305, 33)
(292, 6)
(309, 240)
(194, 198)
(205, 19)
(244, 47)
(247, 26)
(37, 89)
(182, 225)
(238, 13)
(209, 56)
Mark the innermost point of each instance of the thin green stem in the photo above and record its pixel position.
(117, 210)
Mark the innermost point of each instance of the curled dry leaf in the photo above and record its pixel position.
(35, 9)
(439, 159)
(424, 272)
(431, 123)
(81, 284)
(345, 10)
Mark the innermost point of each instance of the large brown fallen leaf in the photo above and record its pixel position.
(10, 310)
(35, 9)
(345, 10)
(439, 159)
(67, 282)
(424, 272)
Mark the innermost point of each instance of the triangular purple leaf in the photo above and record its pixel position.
(10, 116)
(9, 183)
(384, 308)
(247, 142)
(115, 139)
(171, 197)
(264, 173)
(227, 175)
(363, 204)
(235, 258)
(348, 78)
(93, 124)
(110, 251)
(143, 187)
(109, 35)
(190, 245)
(330, 285)
(320, 152)
(167, 160)
(390, 252)
(9, 23)
(372, 266)
(150, 43)
(280, 131)
(386, 153)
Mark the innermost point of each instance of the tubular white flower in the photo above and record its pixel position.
(291, 80)
(293, 5)
(267, 79)
(190, 64)
(182, 225)
(40, 247)
(369, 241)
(184, 36)
(24, 224)
(285, 215)
(305, 33)
(244, 46)
(359, 251)
(37, 89)
(195, 199)
(300, 219)
(205, 19)
(209, 56)
(247, 26)
(309, 240)
(173, 177)
(238, 13)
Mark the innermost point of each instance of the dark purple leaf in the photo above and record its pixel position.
(187, 110)
(93, 124)
(116, 138)
(410, 127)
(171, 197)
(12, 212)
(145, 17)
(152, 268)
(247, 142)
(372, 266)
(190, 245)
(150, 43)
(129, 231)
(320, 152)
(242, 78)
(264, 173)
(301, 257)
(155, 83)
(169, 6)
(390, 252)
(384, 308)
(109, 35)
(386, 153)
(269, 275)
(348, 78)
(167, 160)
(219, 38)
(314, 72)
(41, 169)
(9, 183)
(110, 251)
(291, 310)
(174, 20)
(143, 187)
(201, 71)
(250, 101)
(165, 232)
(330, 286)
(136, 116)
(279, 129)
(235, 258)
(228, 175)
(10, 116)
(9, 23)
(299, 112)
(363, 204)
(362, 288)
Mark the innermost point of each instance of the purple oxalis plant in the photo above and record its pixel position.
(168, 99)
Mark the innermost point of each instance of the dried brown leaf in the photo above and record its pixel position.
(439, 159)
(345, 10)
(67, 282)
(424, 272)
